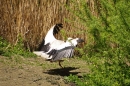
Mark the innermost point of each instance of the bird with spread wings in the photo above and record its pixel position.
(54, 50)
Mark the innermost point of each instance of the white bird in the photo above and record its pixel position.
(50, 42)
(53, 49)
(64, 50)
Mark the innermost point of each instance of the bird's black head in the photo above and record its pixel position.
(57, 28)
(79, 40)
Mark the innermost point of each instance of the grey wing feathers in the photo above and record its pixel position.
(59, 54)
(46, 47)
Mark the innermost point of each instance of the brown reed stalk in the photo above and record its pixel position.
(31, 19)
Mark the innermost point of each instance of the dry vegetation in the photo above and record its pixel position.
(31, 19)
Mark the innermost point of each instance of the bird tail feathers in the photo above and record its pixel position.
(41, 54)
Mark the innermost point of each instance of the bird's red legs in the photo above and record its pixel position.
(60, 63)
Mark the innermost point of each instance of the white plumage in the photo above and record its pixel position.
(53, 49)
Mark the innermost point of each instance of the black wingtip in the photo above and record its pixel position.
(59, 25)
(57, 28)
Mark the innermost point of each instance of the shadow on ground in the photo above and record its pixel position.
(62, 71)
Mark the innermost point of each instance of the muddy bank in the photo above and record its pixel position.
(19, 71)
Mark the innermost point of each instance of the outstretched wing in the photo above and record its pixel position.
(62, 53)
(45, 45)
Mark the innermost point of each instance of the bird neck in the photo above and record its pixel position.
(71, 43)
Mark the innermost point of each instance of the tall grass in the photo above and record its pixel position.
(31, 19)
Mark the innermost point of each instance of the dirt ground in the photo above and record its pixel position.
(19, 71)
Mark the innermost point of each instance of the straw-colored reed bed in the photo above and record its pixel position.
(31, 19)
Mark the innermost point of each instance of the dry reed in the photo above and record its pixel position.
(31, 19)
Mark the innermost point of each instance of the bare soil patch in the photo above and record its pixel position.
(19, 71)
